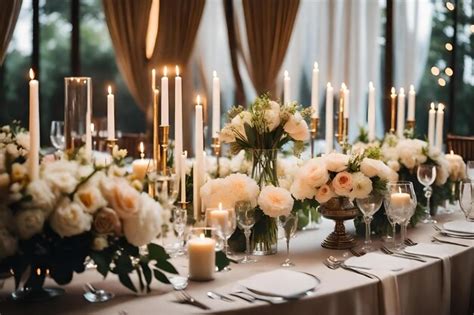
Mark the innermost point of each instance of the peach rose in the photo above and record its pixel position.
(122, 197)
(106, 221)
(324, 193)
(342, 184)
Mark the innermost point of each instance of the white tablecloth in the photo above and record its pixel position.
(341, 292)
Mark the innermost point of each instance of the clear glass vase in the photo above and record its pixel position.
(265, 230)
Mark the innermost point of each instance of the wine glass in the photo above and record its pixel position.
(465, 199)
(470, 169)
(179, 223)
(246, 220)
(369, 206)
(225, 223)
(400, 204)
(56, 134)
(288, 223)
(426, 174)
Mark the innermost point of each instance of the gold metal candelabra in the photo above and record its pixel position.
(164, 131)
(393, 98)
(314, 133)
(216, 148)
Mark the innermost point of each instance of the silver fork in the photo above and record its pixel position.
(184, 297)
(409, 242)
(387, 251)
(437, 240)
(331, 264)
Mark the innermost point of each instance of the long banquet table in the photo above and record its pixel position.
(341, 291)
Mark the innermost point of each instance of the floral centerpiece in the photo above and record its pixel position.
(75, 210)
(261, 131)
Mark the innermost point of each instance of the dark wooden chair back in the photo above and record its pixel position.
(464, 146)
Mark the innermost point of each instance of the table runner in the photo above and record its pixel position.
(341, 292)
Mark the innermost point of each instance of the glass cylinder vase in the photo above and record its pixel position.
(265, 230)
(77, 112)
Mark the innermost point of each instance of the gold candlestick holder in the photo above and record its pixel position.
(314, 133)
(111, 143)
(216, 148)
(410, 124)
(164, 132)
(183, 204)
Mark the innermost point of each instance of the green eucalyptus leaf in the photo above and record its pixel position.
(221, 260)
(102, 260)
(166, 266)
(160, 276)
(146, 274)
(156, 252)
(126, 281)
(124, 264)
(140, 279)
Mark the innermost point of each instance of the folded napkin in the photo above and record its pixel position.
(383, 266)
(460, 226)
(443, 252)
(281, 282)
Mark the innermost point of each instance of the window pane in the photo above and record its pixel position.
(98, 62)
(14, 72)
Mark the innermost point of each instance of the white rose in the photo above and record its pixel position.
(143, 228)
(314, 172)
(238, 163)
(361, 185)
(301, 190)
(237, 124)
(442, 171)
(371, 168)
(90, 198)
(275, 201)
(217, 191)
(389, 153)
(100, 243)
(342, 184)
(272, 116)
(61, 175)
(297, 128)
(42, 196)
(29, 222)
(12, 150)
(336, 162)
(8, 244)
(324, 193)
(123, 198)
(394, 165)
(69, 219)
(243, 187)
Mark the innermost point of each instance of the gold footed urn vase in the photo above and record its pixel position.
(339, 209)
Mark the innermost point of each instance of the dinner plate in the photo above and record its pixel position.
(281, 283)
(460, 227)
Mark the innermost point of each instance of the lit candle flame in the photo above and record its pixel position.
(201, 236)
(402, 91)
(220, 205)
(214, 74)
(109, 89)
(198, 99)
(165, 71)
(432, 105)
(177, 71)
(141, 147)
(400, 189)
(452, 152)
(32, 74)
(156, 91)
(412, 88)
(316, 66)
(343, 86)
(92, 127)
(371, 84)
(185, 154)
(393, 91)
(38, 271)
(329, 85)
(286, 74)
(440, 107)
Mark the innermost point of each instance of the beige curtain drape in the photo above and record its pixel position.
(127, 21)
(9, 11)
(269, 25)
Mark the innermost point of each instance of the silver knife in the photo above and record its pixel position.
(218, 296)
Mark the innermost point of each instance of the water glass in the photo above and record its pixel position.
(225, 223)
(56, 134)
(369, 206)
(288, 223)
(426, 174)
(470, 169)
(246, 219)
(400, 205)
(465, 199)
(180, 219)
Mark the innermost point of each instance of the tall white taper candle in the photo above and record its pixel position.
(34, 126)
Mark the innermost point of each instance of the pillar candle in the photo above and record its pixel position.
(216, 105)
(199, 159)
(202, 258)
(371, 112)
(110, 115)
(140, 166)
(439, 127)
(34, 128)
(164, 98)
(218, 218)
(411, 104)
(178, 121)
(329, 118)
(315, 92)
(183, 175)
(431, 124)
(400, 200)
(286, 88)
(401, 113)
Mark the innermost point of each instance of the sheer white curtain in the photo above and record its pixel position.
(343, 37)
(412, 22)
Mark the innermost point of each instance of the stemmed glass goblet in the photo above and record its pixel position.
(369, 206)
(288, 223)
(400, 204)
(426, 174)
(180, 218)
(246, 220)
(470, 169)
(56, 134)
(465, 199)
(225, 223)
